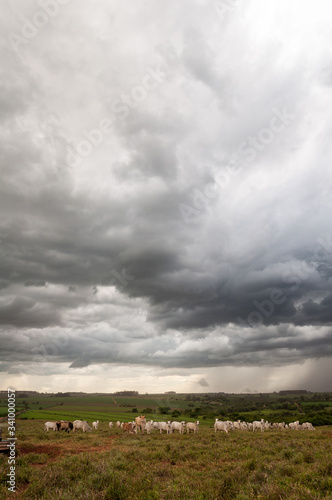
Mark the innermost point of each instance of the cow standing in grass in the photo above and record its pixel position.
(294, 425)
(192, 426)
(65, 426)
(258, 425)
(163, 426)
(178, 426)
(222, 426)
(82, 424)
(140, 423)
(307, 426)
(149, 426)
(129, 427)
(50, 425)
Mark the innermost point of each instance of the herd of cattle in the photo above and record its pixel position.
(261, 425)
(141, 425)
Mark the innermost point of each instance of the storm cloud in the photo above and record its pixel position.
(166, 192)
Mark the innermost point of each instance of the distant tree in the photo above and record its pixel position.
(126, 393)
(164, 410)
(176, 413)
(194, 413)
(134, 410)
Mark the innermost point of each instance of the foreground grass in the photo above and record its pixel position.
(101, 465)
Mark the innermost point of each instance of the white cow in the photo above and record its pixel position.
(110, 425)
(294, 425)
(178, 426)
(149, 426)
(81, 424)
(267, 426)
(244, 426)
(308, 426)
(281, 425)
(258, 425)
(140, 423)
(163, 426)
(220, 425)
(192, 426)
(237, 425)
(50, 425)
(95, 425)
(118, 424)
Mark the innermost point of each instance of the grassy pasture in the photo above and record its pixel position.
(112, 465)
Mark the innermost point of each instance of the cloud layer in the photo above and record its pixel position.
(166, 193)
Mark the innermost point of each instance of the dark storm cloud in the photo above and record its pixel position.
(35, 283)
(24, 313)
(191, 231)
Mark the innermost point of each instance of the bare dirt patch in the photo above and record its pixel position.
(65, 449)
(50, 450)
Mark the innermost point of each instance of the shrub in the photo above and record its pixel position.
(164, 410)
(176, 413)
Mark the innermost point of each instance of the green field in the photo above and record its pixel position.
(313, 407)
(106, 464)
(42, 406)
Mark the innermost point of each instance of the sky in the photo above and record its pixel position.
(166, 196)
